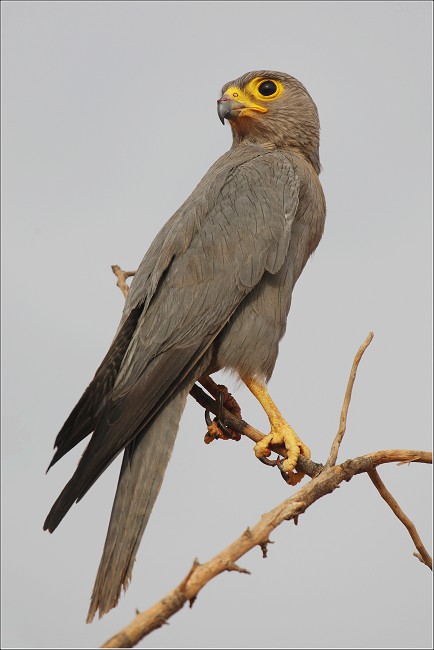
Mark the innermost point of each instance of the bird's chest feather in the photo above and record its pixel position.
(249, 342)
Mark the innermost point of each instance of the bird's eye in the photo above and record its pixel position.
(267, 88)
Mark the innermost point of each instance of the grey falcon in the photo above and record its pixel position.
(212, 292)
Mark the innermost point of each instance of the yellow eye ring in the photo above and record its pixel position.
(265, 89)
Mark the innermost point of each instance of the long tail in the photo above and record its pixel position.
(142, 472)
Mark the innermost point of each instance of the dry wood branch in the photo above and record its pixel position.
(422, 554)
(201, 574)
(325, 479)
(347, 399)
(122, 277)
(400, 457)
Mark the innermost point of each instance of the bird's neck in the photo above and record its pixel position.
(303, 144)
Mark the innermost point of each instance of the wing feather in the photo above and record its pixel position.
(207, 264)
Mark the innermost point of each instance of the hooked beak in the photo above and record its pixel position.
(228, 108)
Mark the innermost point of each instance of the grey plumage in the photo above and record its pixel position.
(213, 291)
(139, 483)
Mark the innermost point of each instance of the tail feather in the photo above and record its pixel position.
(142, 472)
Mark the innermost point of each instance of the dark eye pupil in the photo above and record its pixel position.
(267, 88)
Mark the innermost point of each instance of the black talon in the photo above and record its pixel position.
(219, 418)
(220, 406)
(283, 474)
(218, 422)
(219, 403)
(223, 428)
(267, 461)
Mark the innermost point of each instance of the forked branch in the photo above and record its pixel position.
(422, 554)
(324, 480)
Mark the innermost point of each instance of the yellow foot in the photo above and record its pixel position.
(282, 434)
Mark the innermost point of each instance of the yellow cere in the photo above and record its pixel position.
(251, 93)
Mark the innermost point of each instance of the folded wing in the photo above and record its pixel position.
(209, 260)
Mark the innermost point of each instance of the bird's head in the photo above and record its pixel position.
(271, 109)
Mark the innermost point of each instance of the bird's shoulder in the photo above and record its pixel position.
(247, 180)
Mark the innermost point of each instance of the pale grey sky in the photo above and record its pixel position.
(109, 122)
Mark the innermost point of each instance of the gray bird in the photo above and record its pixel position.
(212, 292)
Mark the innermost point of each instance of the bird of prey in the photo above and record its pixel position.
(212, 292)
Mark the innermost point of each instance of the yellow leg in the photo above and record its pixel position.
(281, 433)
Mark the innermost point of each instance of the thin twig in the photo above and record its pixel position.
(347, 399)
(393, 504)
(259, 535)
(122, 277)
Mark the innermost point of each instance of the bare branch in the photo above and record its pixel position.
(325, 479)
(347, 399)
(259, 535)
(122, 277)
(400, 456)
(422, 554)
